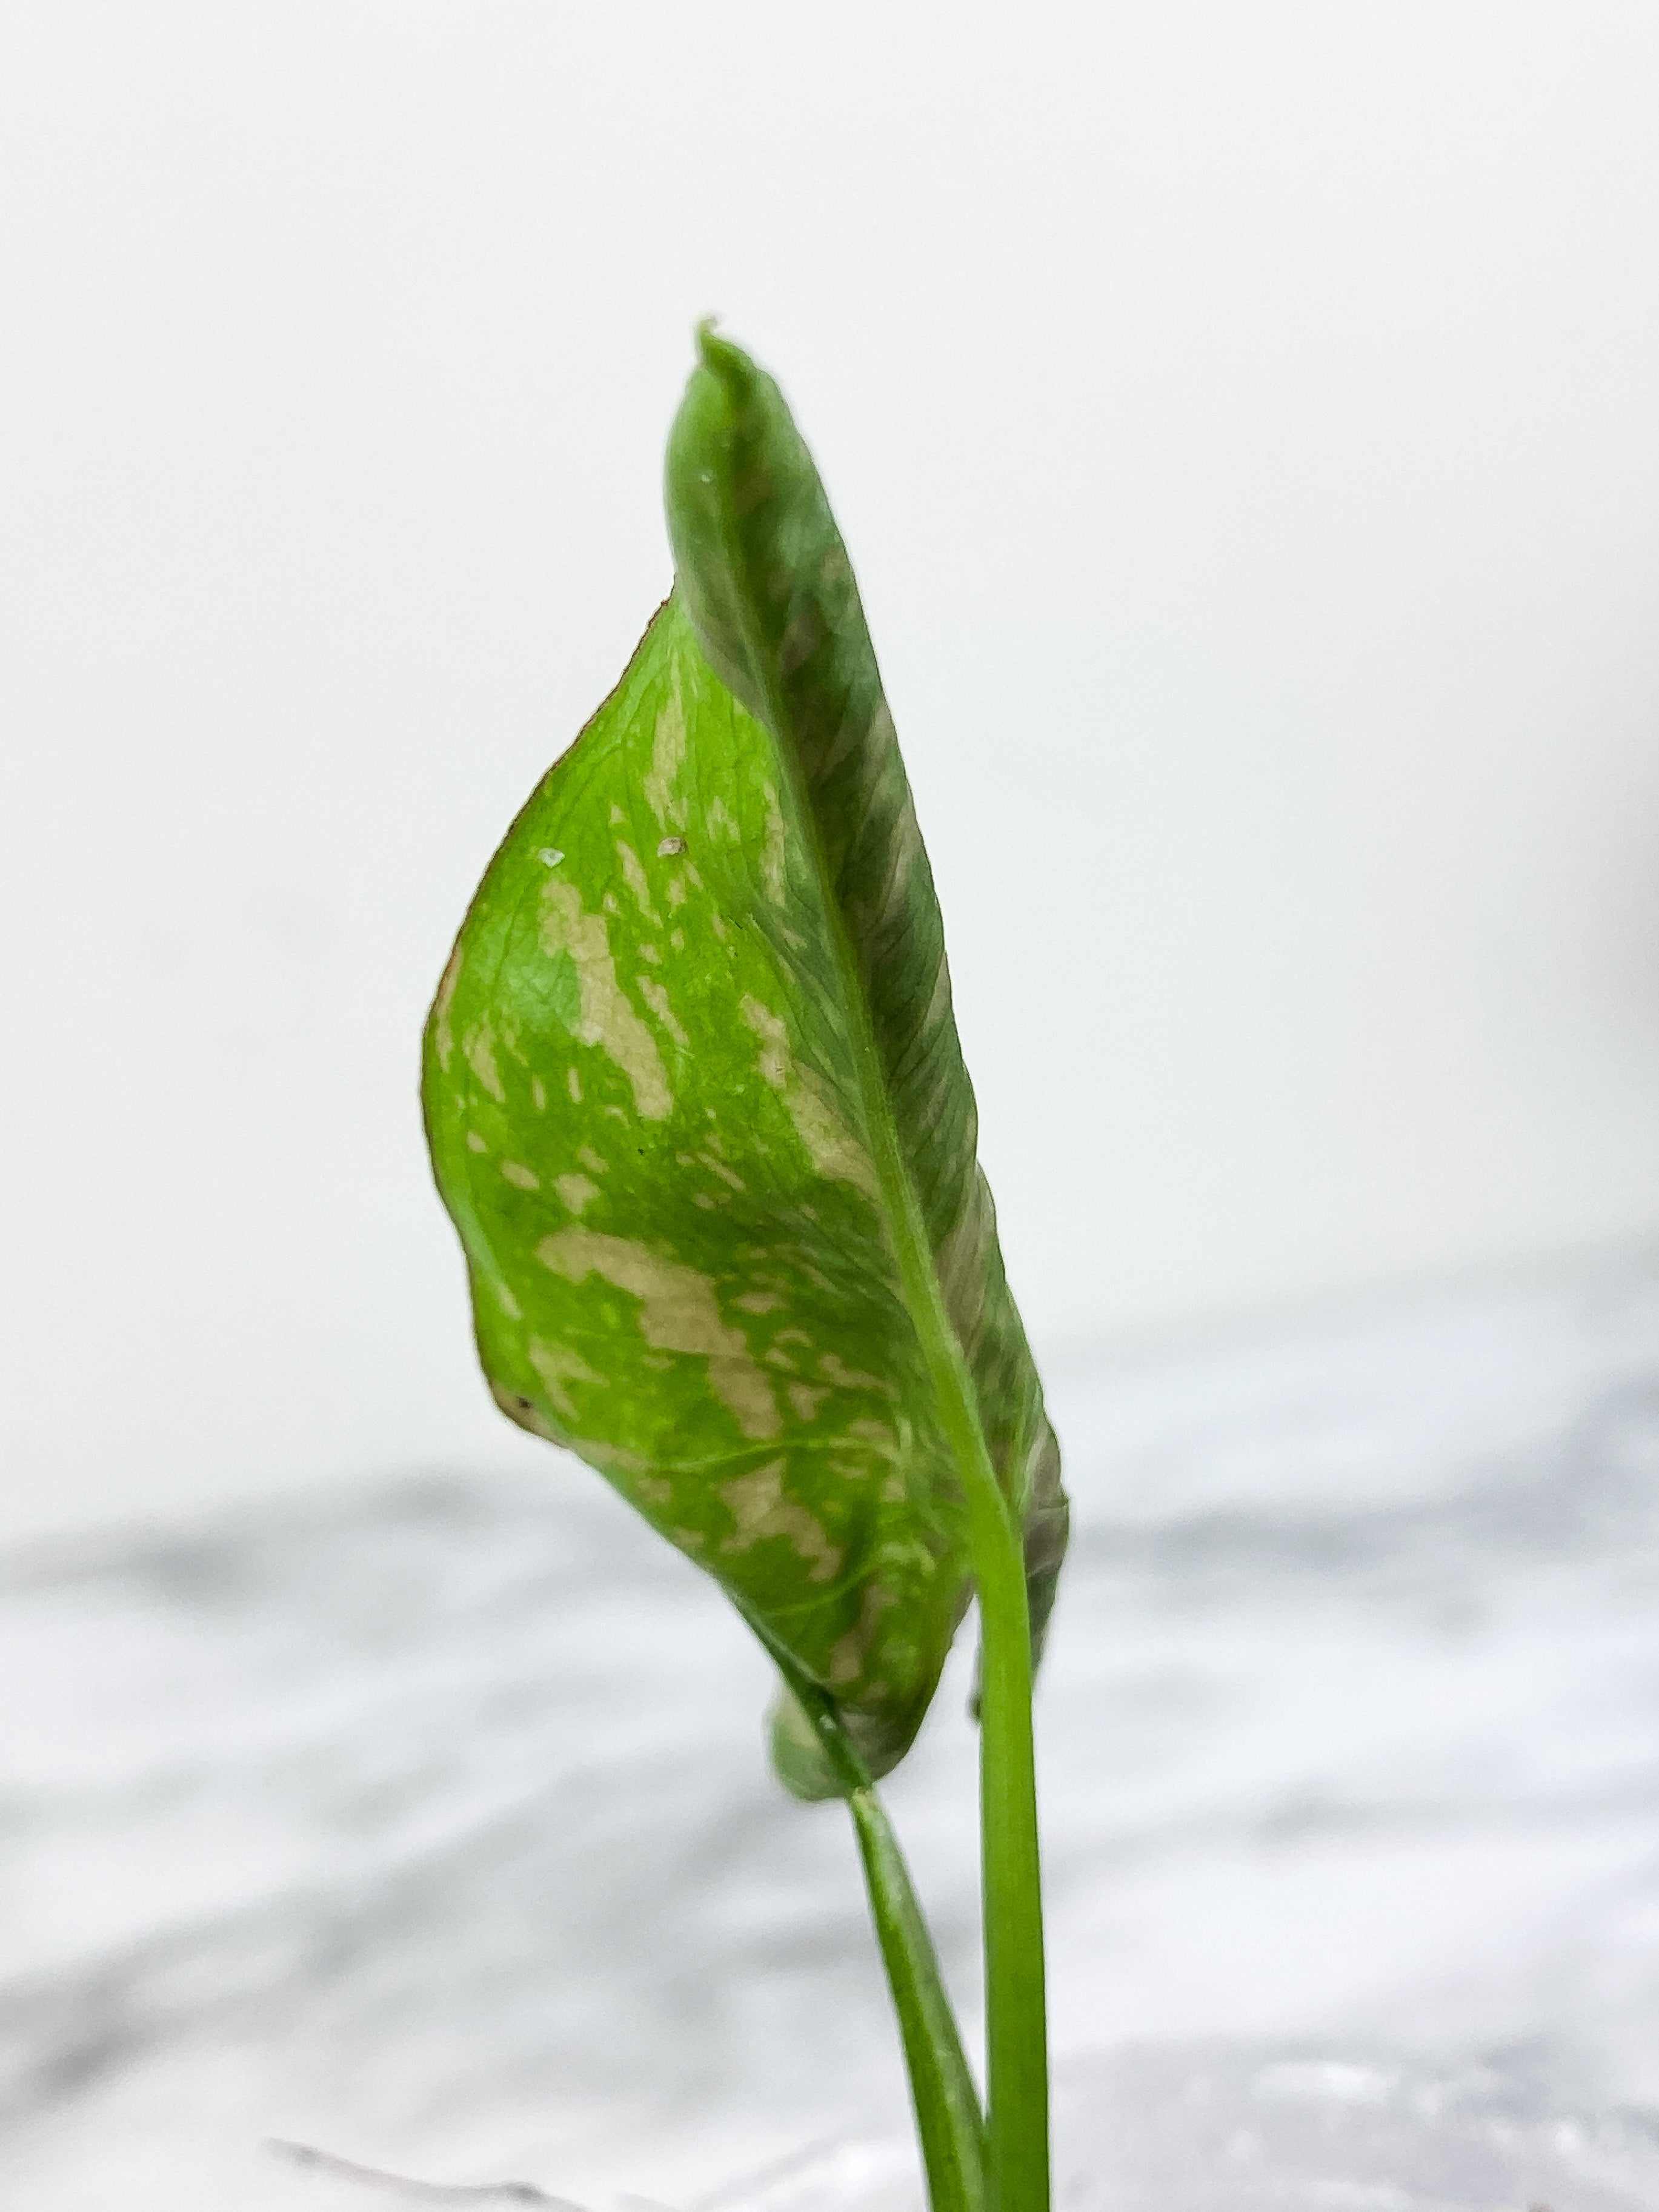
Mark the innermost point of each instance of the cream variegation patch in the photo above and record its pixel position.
(761, 1509)
(828, 1143)
(608, 1018)
(479, 1049)
(443, 1034)
(575, 1191)
(667, 754)
(680, 1312)
(558, 1366)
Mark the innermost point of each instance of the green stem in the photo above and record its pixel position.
(1017, 2035)
(949, 2123)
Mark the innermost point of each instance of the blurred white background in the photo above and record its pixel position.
(1243, 419)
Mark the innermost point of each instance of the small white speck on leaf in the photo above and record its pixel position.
(670, 847)
(549, 856)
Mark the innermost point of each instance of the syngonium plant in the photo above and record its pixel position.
(698, 1108)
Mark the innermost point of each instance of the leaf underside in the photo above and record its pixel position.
(645, 1120)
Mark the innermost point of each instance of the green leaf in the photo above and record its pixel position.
(648, 1110)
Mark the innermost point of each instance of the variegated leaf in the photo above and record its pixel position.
(645, 1119)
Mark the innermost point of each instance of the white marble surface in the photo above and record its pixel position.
(431, 1824)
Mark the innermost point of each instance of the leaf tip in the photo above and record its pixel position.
(729, 365)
